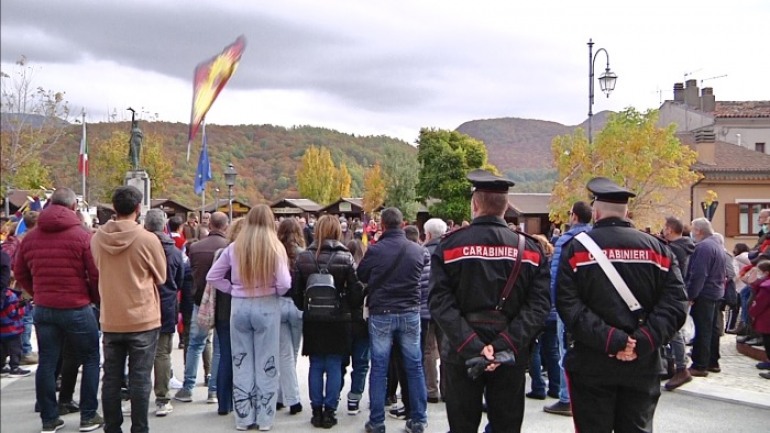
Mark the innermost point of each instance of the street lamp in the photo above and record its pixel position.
(230, 176)
(216, 195)
(606, 83)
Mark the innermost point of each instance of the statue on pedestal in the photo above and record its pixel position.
(135, 142)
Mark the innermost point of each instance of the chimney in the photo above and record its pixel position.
(708, 100)
(705, 145)
(691, 97)
(678, 92)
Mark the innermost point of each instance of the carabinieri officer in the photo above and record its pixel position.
(488, 324)
(614, 365)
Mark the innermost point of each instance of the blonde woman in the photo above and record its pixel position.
(259, 275)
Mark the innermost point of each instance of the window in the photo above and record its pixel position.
(741, 218)
(759, 147)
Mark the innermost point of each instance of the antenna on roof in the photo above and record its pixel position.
(711, 78)
(689, 74)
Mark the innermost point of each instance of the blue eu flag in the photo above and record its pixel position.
(203, 174)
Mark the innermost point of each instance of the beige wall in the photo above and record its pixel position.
(685, 120)
(734, 192)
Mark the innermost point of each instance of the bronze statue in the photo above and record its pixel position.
(135, 142)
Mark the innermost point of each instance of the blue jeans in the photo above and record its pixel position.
(744, 298)
(546, 347)
(360, 359)
(225, 371)
(325, 396)
(254, 332)
(26, 336)
(404, 329)
(139, 348)
(563, 390)
(291, 334)
(79, 327)
(196, 344)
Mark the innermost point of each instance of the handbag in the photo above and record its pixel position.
(208, 308)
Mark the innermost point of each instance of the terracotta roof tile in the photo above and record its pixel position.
(742, 109)
(733, 158)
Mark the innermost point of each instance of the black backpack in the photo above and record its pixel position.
(322, 302)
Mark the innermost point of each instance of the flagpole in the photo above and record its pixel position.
(84, 168)
(203, 194)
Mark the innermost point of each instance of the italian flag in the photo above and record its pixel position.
(83, 158)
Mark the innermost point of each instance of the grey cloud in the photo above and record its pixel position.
(171, 39)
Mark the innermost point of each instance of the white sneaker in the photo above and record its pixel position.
(212, 398)
(174, 383)
(125, 407)
(163, 409)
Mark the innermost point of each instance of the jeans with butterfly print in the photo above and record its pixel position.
(254, 333)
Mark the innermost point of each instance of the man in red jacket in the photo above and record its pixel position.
(54, 264)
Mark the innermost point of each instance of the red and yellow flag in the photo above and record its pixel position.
(209, 79)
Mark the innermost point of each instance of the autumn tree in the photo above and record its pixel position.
(342, 182)
(401, 173)
(374, 189)
(632, 151)
(34, 119)
(445, 158)
(109, 164)
(318, 179)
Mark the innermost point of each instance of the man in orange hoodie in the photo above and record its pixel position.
(130, 310)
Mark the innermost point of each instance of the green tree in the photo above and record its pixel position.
(401, 174)
(446, 157)
(109, 164)
(374, 189)
(632, 151)
(34, 119)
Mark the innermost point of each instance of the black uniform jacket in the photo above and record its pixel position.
(469, 269)
(596, 315)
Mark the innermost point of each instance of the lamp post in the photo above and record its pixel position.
(230, 175)
(606, 82)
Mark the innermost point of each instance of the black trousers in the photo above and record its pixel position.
(705, 348)
(11, 348)
(504, 391)
(602, 404)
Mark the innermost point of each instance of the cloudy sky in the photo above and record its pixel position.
(385, 67)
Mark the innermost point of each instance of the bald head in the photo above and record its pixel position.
(64, 197)
(218, 221)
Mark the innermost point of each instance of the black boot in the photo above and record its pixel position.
(330, 418)
(317, 419)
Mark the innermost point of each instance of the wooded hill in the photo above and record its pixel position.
(521, 148)
(265, 156)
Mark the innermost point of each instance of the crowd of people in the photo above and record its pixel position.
(599, 302)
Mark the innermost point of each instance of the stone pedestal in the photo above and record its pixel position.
(141, 181)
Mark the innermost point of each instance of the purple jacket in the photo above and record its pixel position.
(234, 286)
(706, 271)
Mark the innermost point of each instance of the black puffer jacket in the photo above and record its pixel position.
(328, 338)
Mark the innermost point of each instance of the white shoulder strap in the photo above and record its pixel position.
(610, 271)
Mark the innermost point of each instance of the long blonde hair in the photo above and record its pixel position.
(258, 250)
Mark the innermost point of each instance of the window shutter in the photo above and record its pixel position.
(732, 222)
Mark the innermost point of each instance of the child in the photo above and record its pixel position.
(760, 311)
(11, 328)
